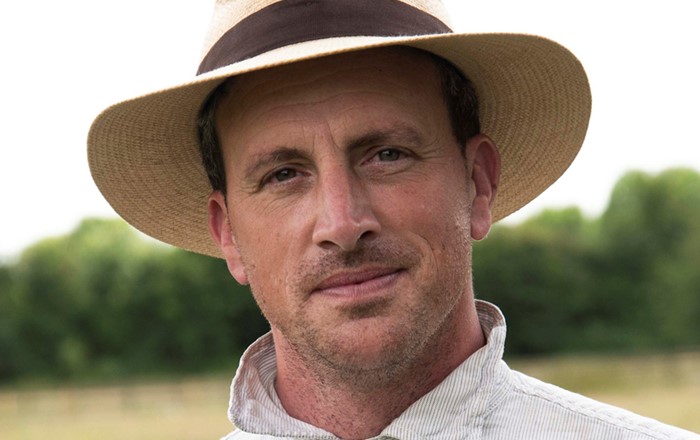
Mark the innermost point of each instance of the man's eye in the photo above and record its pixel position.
(282, 175)
(389, 155)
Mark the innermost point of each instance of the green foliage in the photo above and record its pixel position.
(104, 302)
(539, 273)
(652, 234)
(626, 281)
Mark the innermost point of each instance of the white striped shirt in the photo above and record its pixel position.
(481, 399)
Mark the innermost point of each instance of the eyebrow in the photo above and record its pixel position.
(398, 132)
(277, 155)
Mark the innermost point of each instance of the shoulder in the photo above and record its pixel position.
(544, 410)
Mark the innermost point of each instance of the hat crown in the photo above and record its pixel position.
(229, 13)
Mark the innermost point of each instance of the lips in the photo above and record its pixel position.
(358, 282)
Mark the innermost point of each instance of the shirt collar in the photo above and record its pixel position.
(456, 405)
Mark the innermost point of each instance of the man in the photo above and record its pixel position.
(354, 150)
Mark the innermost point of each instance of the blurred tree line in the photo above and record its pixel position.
(629, 280)
(103, 302)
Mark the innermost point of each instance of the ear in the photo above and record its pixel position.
(220, 230)
(485, 172)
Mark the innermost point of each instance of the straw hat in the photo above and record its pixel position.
(534, 102)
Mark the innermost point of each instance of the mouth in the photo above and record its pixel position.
(358, 284)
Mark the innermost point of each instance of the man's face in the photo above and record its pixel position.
(349, 205)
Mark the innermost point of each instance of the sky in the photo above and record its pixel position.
(63, 62)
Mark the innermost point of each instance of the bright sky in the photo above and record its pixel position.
(65, 61)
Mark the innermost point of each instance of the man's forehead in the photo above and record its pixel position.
(397, 73)
(390, 93)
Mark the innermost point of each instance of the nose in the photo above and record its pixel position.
(344, 211)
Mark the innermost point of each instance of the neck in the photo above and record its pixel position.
(361, 407)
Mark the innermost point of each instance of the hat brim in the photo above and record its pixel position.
(534, 102)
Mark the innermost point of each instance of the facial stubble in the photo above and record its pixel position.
(411, 342)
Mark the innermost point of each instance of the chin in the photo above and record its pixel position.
(370, 345)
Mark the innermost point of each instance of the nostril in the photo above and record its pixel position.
(367, 235)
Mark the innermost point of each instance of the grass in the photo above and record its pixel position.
(179, 410)
(663, 387)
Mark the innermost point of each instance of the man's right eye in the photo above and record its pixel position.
(281, 175)
(389, 155)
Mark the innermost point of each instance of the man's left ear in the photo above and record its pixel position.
(486, 169)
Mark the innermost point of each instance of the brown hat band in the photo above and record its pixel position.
(295, 21)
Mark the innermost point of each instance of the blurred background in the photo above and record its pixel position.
(106, 333)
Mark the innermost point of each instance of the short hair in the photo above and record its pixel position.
(458, 94)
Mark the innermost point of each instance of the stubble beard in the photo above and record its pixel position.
(412, 343)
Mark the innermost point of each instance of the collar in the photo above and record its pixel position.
(456, 406)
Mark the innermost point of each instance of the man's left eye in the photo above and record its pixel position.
(389, 155)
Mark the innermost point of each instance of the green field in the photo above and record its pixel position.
(663, 387)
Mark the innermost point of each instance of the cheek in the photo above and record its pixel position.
(264, 238)
(434, 211)
(269, 292)
(263, 256)
(440, 220)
